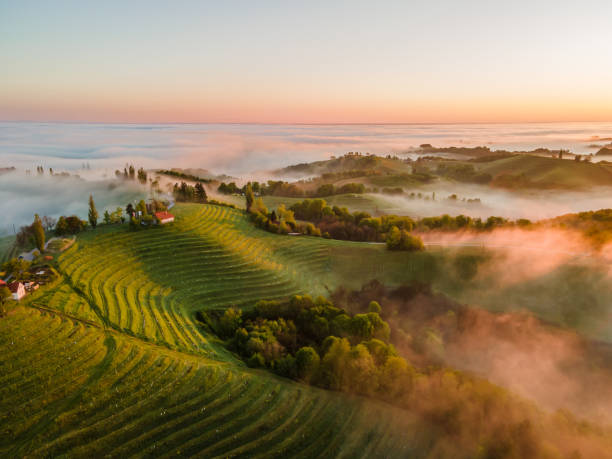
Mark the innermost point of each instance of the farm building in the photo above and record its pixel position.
(17, 289)
(164, 217)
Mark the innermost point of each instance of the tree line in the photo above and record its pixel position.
(35, 233)
(187, 193)
(333, 222)
(286, 189)
(130, 173)
(313, 341)
(182, 175)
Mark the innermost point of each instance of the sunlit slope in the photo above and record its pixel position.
(150, 283)
(71, 389)
(552, 173)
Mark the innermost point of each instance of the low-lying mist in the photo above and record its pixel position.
(532, 205)
(22, 196)
(559, 274)
(239, 148)
(552, 365)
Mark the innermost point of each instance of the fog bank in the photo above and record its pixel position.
(533, 205)
(22, 196)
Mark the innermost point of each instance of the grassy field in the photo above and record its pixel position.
(110, 359)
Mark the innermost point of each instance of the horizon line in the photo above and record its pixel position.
(256, 123)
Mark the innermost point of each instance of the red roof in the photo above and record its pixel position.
(163, 215)
(14, 286)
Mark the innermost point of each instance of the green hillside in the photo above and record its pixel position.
(131, 372)
(541, 172)
(347, 162)
(76, 390)
(110, 360)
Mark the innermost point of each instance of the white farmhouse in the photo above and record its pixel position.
(17, 289)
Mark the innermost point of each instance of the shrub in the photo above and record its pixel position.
(402, 240)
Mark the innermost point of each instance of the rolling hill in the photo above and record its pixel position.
(110, 360)
(549, 173)
(130, 371)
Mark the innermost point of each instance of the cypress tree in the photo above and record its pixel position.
(200, 193)
(93, 213)
(250, 197)
(39, 233)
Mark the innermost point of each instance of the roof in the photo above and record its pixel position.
(163, 215)
(2, 282)
(14, 286)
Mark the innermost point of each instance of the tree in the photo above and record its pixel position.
(62, 226)
(141, 207)
(39, 233)
(16, 267)
(24, 236)
(69, 225)
(374, 307)
(307, 361)
(402, 240)
(132, 172)
(250, 197)
(93, 213)
(142, 176)
(107, 217)
(117, 215)
(129, 209)
(200, 193)
(230, 322)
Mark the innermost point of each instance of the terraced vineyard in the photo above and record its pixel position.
(151, 283)
(109, 359)
(73, 389)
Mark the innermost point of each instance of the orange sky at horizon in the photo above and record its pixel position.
(156, 62)
(154, 110)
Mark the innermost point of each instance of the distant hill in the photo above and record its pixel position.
(500, 169)
(605, 151)
(484, 152)
(348, 162)
(526, 171)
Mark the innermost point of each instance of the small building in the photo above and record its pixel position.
(164, 217)
(17, 289)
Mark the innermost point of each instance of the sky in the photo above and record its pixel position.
(305, 62)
